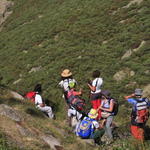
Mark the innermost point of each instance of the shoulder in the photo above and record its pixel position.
(132, 100)
(38, 96)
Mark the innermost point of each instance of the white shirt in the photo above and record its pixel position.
(38, 100)
(97, 83)
(65, 83)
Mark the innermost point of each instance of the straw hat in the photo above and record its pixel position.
(66, 73)
(93, 113)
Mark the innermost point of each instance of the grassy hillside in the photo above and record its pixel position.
(82, 35)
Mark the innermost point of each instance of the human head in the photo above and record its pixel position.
(96, 74)
(72, 85)
(93, 113)
(66, 73)
(138, 92)
(38, 88)
(105, 93)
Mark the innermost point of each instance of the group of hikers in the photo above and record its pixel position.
(97, 124)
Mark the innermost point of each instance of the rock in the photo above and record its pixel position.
(56, 37)
(35, 69)
(131, 84)
(79, 57)
(24, 131)
(17, 81)
(147, 72)
(123, 74)
(146, 91)
(104, 42)
(136, 49)
(9, 112)
(40, 16)
(133, 2)
(15, 95)
(52, 142)
(127, 54)
(4, 10)
(25, 51)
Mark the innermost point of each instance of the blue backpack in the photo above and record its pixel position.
(85, 129)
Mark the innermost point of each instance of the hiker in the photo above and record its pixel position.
(40, 104)
(107, 106)
(66, 76)
(89, 128)
(95, 87)
(75, 117)
(74, 99)
(140, 113)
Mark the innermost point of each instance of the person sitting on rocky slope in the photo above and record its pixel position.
(40, 104)
(89, 128)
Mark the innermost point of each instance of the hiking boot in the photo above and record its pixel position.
(104, 138)
(109, 141)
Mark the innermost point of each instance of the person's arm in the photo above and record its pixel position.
(92, 88)
(110, 109)
(129, 96)
(78, 93)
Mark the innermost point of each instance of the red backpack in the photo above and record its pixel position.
(142, 112)
(31, 96)
(75, 101)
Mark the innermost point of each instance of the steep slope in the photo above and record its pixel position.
(41, 38)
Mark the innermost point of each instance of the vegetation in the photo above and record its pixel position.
(82, 35)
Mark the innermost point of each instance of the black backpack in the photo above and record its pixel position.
(116, 106)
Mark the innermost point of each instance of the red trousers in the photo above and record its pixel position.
(95, 104)
(137, 132)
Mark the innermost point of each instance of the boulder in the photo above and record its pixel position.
(9, 112)
(52, 142)
(4, 10)
(122, 74)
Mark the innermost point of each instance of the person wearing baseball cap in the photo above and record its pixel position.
(140, 113)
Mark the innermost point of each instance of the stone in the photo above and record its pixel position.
(24, 131)
(17, 81)
(146, 91)
(16, 95)
(4, 10)
(122, 74)
(9, 112)
(133, 2)
(127, 54)
(35, 69)
(79, 57)
(142, 43)
(52, 142)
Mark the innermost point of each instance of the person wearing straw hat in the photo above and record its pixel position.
(66, 76)
(89, 128)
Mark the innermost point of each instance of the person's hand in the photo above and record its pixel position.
(133, 95)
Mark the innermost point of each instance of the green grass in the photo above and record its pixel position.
(58, 34)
